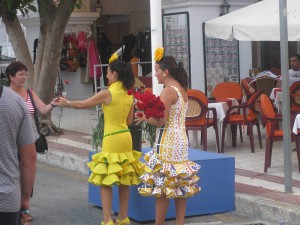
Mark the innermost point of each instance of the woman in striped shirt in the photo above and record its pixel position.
(16, 73)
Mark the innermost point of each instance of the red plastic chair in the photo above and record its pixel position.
(196, 118)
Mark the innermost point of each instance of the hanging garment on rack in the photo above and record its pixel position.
(129, 41)
(72, 53)
(82, 49)
(104, 46)
(144, 50)
(94, 59)
(63, 55)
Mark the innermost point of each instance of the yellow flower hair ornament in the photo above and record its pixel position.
(159, 53)
(113, 58)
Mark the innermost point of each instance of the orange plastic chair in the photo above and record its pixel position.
(196, 118)
(228, 90)
(149, 90)
(272, 132)
(246, 118)
(295, 97)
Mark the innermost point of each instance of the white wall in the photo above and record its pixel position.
(3, 36)
(199, 12)
(32, 33)
(245, 58)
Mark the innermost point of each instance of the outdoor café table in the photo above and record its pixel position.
(276, 96)
(296, 131)
(296, 126)
(221, 108)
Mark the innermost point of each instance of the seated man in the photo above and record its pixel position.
(294, 72)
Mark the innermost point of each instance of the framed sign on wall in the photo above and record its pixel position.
(221, 61)
(176, 38)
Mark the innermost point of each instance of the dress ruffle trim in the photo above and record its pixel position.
(108, 169)
(173, 180)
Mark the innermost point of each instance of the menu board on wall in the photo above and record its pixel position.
(221, 62)
(176, 38)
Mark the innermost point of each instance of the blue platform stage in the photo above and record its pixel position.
(217, 194)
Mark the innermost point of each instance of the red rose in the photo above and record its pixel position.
(130, 92)
(151, 105)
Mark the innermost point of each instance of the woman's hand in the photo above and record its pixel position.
(63, 102)
(55, 102)
(139, 118)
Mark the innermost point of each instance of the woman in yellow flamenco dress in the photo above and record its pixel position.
(117, 163)
(169, 173)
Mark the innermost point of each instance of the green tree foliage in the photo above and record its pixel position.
(12, 6)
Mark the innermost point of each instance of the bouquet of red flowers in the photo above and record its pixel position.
(149, 104)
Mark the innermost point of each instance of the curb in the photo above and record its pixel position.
(67, 161)
(266, 209)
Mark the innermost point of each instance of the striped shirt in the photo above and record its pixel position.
(29, 104)
(16, 131)
(30, 108)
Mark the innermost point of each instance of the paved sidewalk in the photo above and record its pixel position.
(258, 194)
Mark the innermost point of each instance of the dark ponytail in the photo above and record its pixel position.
(176, 70)
(182, 76)
(124, 71)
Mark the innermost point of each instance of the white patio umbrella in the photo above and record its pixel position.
(268, 20)
(256, 22)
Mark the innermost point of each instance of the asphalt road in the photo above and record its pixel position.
(60, 198)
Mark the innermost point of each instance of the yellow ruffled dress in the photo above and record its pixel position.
(169, 173)
(117, 163)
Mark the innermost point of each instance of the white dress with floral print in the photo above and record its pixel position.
(168, 171)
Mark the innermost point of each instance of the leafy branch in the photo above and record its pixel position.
(98, 132)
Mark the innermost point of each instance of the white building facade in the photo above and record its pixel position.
(137, 19)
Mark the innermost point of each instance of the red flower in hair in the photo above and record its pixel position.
(130, 91)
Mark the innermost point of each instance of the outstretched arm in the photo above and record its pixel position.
(41, 106)
(101, 97)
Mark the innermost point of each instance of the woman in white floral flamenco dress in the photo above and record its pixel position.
(169, 173)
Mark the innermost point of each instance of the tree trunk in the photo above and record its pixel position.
(19, 44)
(53, 21)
